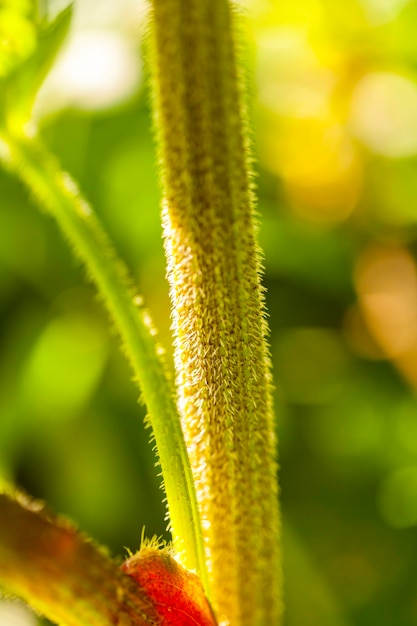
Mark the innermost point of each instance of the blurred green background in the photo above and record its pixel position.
(333, 104)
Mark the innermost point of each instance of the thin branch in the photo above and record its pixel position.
(56, 192)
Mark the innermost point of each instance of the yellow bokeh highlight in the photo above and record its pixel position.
(320, 167)
(383, 113)
(15, 613)
(386, 283)
(17, 35)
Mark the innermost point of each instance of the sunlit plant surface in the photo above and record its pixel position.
(213, 427)
(334, 102)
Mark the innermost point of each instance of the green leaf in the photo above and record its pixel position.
(18, 33)
(19, 89)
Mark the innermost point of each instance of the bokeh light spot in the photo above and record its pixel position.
(64, 367)
(382, 11)
(384, 114)
(320, 167)
(386, 282)
(14, 613)
(97, 70)
(292, 81)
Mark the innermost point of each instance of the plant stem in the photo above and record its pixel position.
(63, 575)
(222, 359)
(57, 193)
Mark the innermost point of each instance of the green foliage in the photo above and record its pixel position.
(20, 86)
(57, 193)
(18, 33)
(346, 411)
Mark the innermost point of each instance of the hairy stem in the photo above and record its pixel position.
(222, 359)
(57, 193)
(64, 576)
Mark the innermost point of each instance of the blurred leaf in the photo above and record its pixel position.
(21, 86)
(18, 33)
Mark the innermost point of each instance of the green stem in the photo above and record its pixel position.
(57, 193)
(222, 358)
(63, 575)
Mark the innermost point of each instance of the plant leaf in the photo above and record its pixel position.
(20, 87)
